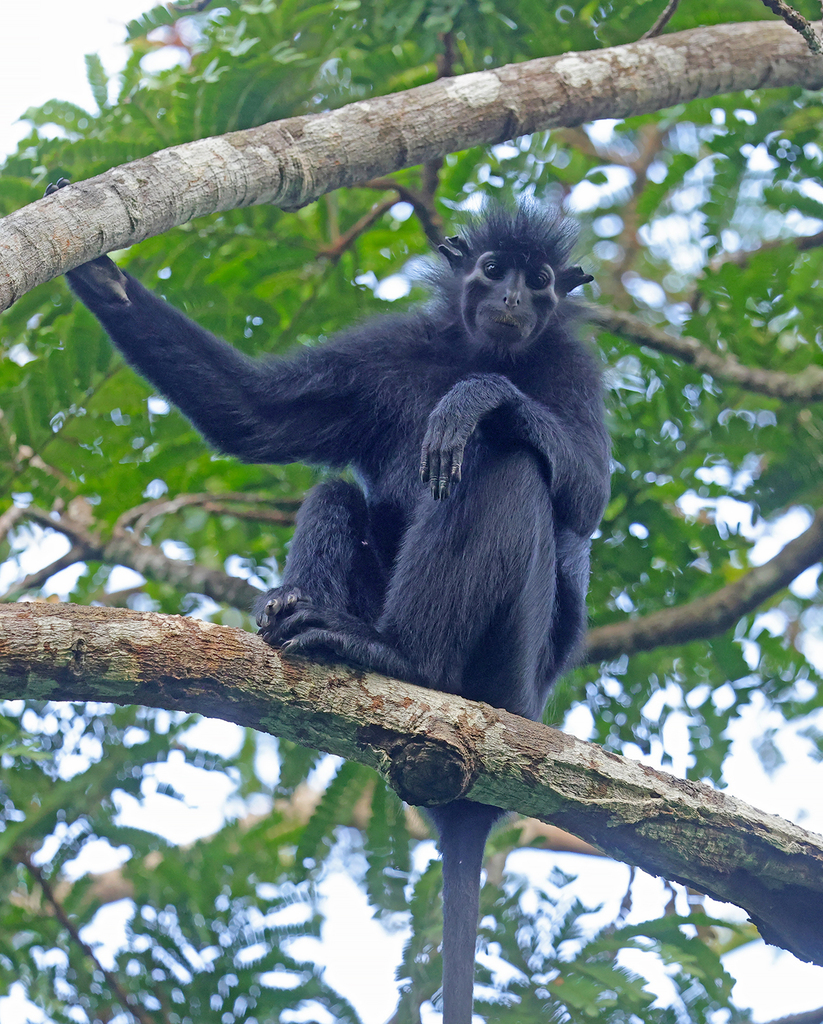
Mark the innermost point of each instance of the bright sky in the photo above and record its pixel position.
(42, 45)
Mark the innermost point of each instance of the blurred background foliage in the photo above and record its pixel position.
(690, 219)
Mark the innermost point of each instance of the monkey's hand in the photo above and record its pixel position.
(101, 277)
(441, 460)
(453, 421)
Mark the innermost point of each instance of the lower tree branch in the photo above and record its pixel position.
(119, 993)
(432, 747)
(699, 620)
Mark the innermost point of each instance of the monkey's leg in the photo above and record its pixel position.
(331, 568)
(471, 601)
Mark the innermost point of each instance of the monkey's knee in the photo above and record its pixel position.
(337, 502)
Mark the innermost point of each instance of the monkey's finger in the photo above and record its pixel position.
(312, 639)
(425, 465)
(299, 622)
(434, 473)
(444, 476)
(52, 187)
(457, 465)
(269, 612)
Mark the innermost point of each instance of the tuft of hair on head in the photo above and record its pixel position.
(538, 232)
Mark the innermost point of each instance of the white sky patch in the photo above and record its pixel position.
(393, 287)
(587, 196)
(42, 45)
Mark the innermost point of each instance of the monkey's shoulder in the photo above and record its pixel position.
(400, 340)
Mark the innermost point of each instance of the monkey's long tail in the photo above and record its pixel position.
(464, 827)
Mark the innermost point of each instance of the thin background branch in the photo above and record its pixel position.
(112, 980)
(805, 387)
(662, 21)
(794, 19)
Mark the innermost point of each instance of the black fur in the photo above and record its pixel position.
(482, 594)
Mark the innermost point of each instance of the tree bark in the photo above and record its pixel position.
(432, 747)
(292, 162)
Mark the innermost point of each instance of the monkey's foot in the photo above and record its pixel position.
(320, 641)
(304, 617)
(273, 609)
(360, 646)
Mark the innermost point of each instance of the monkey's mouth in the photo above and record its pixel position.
(508, 320)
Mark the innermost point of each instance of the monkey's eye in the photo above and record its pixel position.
(493, 270)
(538, 281)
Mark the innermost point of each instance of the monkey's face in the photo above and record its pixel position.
(507, 301)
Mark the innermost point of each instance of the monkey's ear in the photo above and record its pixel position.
(570, 278)
(456, 252)
(452, 255)
(459, 243)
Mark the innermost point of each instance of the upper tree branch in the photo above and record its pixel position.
(290, 163)
(794, 387)
(432, 747)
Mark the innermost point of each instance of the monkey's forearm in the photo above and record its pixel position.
(210, 382)
(576, 450)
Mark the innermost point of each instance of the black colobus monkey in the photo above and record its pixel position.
(475, 429)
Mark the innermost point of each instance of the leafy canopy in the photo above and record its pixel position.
(690, 219)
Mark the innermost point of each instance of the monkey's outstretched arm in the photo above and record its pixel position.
(308, 408)
(305, 408)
